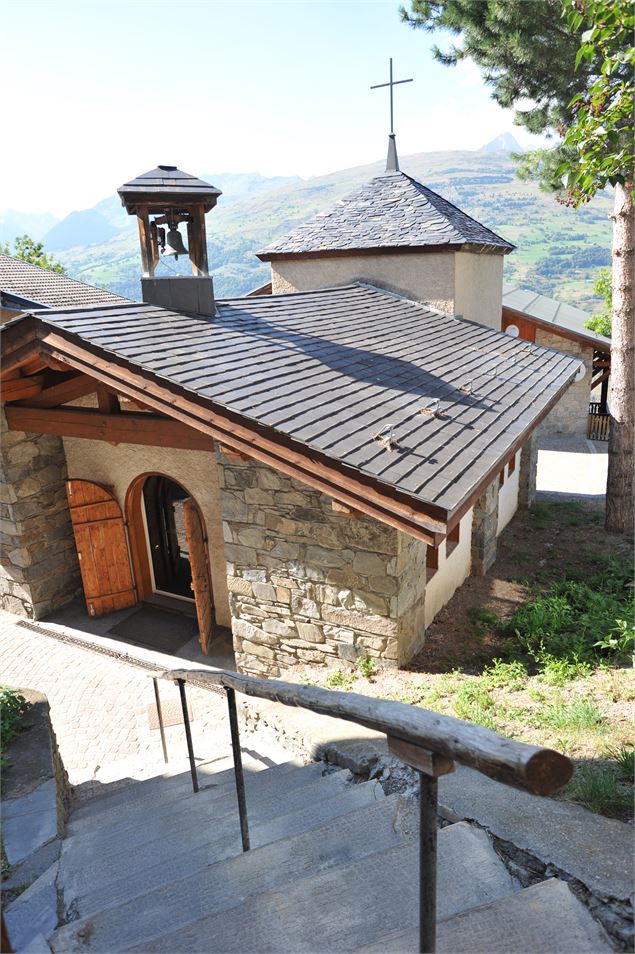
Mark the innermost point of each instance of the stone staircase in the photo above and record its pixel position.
(333, 867)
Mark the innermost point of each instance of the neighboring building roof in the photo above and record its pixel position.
(555, 315)
(31, 285)
(347, 373)
(266, 289)
(391, 211)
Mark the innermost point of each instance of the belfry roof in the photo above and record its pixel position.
(390, 211)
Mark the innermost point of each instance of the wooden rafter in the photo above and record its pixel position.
(69, 389)
(16, 389)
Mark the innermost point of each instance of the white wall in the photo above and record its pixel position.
(426, 276)
(508, 497)
(478, 287)
(452, 571)
(195, 470)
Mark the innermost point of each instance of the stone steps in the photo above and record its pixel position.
(333, 866)
(336, 909)
(218, 788)
(98, 861)
(546, 918)
(371, 829)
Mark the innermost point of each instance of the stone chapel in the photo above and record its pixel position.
(316, 469)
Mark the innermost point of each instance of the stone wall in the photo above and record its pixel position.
(307, 585)
(528, 472)
(569, 416)
(39, 570)
(485, 529)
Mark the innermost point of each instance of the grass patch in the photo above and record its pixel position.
(578, 715)
(624, 757)
(366, 666)
(505, 675)
(599, 788)
(474, 702)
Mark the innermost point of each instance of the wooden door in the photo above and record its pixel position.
(102, 547)
(201, 579)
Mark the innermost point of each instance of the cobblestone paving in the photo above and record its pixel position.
(99, 706)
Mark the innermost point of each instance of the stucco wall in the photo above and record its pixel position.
(569, 416)
(428, 276)
(452, 571)
(508, 497)
(478, 288)
(195, 470)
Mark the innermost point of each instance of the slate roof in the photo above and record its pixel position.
(553, 312)
(333, 368)
(391, 211)
(168, 180)
(40, 286)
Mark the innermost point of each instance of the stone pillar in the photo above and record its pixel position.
(310, 585)
(528, 471)
(39, 570)
(484, 527)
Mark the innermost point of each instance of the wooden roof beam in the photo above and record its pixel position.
(121, 428)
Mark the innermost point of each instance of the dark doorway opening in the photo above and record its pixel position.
(163, 501)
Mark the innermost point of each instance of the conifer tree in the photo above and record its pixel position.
(572, 62)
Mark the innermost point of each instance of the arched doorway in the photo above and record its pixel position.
(168, 544)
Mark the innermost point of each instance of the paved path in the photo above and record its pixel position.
(99, 706)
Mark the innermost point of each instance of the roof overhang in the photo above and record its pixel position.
(266, 256)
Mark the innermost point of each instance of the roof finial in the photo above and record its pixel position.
(392, 162)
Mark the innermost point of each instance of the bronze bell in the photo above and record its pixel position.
(174, 244)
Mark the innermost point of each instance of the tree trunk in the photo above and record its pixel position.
(620, 486)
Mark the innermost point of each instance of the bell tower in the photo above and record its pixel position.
(162, 200)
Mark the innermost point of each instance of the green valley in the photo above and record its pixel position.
(559, 250)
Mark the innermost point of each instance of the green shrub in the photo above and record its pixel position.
(13, 707)
(339, 680)
(366, 666)
(570, 620)
(505, 675)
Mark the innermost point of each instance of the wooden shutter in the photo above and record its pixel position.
(101, 546)
(201, 580)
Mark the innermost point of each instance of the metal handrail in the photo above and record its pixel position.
(428, 741)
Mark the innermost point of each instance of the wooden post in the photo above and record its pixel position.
(197, 244)
(149, 255)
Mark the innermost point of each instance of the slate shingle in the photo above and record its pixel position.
(390, 211)
(44, 287)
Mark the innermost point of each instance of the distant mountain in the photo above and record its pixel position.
(503, 143)
(33, 224)
(87, 227)
(559, 249)
(237, 185)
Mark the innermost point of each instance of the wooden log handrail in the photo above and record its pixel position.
(538, 770)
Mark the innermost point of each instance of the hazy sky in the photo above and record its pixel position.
(102, 90)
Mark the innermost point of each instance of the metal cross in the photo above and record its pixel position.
(391, 83)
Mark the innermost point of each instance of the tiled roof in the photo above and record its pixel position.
(348, 372)
(390, 211)
(552, 312)
(40, 286)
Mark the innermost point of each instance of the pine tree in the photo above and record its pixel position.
(572, 60)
